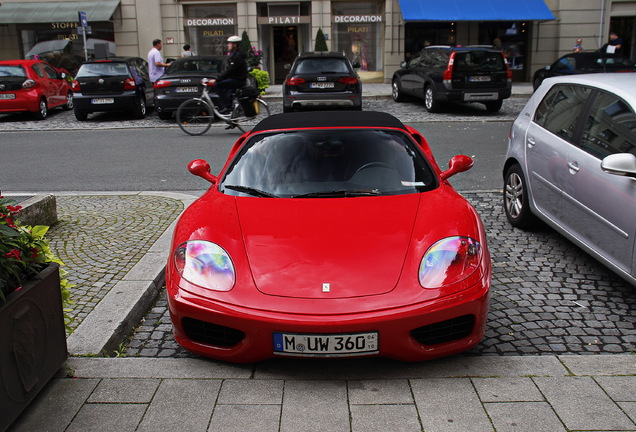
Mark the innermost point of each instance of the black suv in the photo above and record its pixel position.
(440, 74)
(117, 84)
(322, 80)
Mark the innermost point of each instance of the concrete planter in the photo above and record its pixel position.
(32, 342)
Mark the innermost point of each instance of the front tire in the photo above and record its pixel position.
(80, 115)
(165, 115)
(396, 91)
(431, 103)
(244, 123)
(515, 197)
(69, 102)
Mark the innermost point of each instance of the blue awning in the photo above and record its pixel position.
(470, 10)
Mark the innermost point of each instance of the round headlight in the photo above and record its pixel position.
(205, 264)
(449, 261)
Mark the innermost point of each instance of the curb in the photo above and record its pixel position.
(39, 210)
(123, 307)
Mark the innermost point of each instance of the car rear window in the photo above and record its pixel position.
(321, 66)
(479, 61)
(332, 162)
(103, 69)
(12, 71)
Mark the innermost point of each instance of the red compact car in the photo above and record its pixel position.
(34, 86)
(329, 234)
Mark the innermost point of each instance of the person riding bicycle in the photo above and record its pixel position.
(234, 76)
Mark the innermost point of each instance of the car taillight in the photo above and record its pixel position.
(448, 73)
(28, 84)
(349, 80)
(75, 86)
(508, 71)
(129, 84)
(294, 81)
(161, 84)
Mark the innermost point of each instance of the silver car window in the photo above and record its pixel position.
(559, 110)
(610, 127)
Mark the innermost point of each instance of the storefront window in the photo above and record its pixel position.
(208, 27)
(358, 28)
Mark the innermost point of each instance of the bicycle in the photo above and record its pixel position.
(195, 116)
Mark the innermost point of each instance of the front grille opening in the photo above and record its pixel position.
(444, 331)
(211, 334)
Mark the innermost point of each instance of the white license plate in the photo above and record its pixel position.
(7, 96)
(326, 345)
(102, 101)
(186, 89)
(322, 85)
(479, 79)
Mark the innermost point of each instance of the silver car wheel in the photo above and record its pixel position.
(514, 195)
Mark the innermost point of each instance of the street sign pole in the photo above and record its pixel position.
(83, 23)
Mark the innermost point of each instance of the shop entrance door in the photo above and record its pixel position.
(285, 43)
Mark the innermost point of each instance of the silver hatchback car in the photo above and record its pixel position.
(571, 162)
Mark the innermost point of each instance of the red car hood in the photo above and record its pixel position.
(327, 248)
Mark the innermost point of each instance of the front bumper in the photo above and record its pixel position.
(247, 333)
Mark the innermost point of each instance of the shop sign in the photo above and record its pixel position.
(64, 25)
(211, 33)
(284, 20)
(201, 22)
(352, 19)
(357, 29)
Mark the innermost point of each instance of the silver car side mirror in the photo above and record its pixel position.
(623, 164)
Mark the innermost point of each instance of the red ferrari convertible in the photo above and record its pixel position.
(329, 234)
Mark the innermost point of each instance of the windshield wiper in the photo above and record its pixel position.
(339, 193)
(250, 191)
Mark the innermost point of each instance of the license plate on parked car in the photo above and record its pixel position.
(326, 345)
(322, 85)
(484, 78)
(102, 101)
(7, 96)
(186, 89)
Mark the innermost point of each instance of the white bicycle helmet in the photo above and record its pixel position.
(234, 39)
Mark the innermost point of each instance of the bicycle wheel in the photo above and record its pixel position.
(244, 123)
(194, 117)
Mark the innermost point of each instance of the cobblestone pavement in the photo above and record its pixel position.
(100, 238)
(407, 112)
(548, 297)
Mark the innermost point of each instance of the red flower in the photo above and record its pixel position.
(15, 253)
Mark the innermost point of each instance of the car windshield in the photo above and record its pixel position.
(478, 60)
(196, 65)
(328, 163)
(103, 69)
(12, 71)
(321, 66)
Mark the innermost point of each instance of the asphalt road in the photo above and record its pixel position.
(111, 152)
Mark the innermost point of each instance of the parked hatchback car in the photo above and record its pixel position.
(571, 162)
(584, 63)
(329, 234)
(440, 74)
(320, 80)
(182, 81)
(33, 86)
(115, 85)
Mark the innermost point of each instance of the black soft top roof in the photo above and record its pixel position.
(316, 119)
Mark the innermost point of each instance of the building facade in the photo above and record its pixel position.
(378, 34)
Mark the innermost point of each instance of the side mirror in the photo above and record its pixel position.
(457, 164)
(201, 168)
(547, 67)
(403, 64)
(356, 65)
(287, 66)
(622, 164)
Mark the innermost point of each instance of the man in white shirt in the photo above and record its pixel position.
(156, 66)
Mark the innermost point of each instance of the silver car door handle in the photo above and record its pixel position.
(531, 142)
(573, 167)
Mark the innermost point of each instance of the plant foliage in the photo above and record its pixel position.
(262, 79)
(321, 42)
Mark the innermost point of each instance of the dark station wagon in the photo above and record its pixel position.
(440, 74)
(114, 85)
